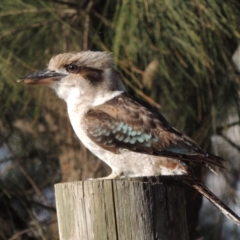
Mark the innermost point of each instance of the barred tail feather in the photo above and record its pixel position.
(195, 183)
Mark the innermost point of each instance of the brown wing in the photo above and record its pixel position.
(127, 123)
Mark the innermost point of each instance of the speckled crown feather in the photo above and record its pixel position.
(98, 60)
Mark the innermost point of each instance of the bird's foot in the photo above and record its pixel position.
(111, 176)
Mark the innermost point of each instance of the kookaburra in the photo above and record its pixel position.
(132, 137)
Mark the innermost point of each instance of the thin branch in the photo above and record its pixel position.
(50, 208)
(86, 26)
(135, 79)
(12, 13)
(60, 11)
(143, 95)
(105, 21)
(20, 29)
(27, 176)
(131, 66)
(20, 233)
(27, 230)
(124, 66)
(221, 128)
(73, 5)
(230, 142)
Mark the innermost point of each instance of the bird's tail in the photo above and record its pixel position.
(195, 183)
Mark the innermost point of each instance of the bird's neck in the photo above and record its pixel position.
(80, 102)
(104, 97)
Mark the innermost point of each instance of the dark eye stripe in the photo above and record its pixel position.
(91, 74)
(94, 75)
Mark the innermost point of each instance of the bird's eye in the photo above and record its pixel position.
(72, 68)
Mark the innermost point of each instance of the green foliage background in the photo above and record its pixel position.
(176, 52)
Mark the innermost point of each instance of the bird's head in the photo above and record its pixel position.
(79, 74)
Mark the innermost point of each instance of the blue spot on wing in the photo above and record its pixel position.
(180, 150)
(133, 140)
(122, 132)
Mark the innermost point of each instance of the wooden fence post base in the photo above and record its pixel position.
(126, 209)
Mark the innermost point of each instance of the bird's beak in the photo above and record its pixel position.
(42, 77)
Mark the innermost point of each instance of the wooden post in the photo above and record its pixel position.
(128, 209)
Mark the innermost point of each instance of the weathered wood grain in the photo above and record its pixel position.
(128, 209)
